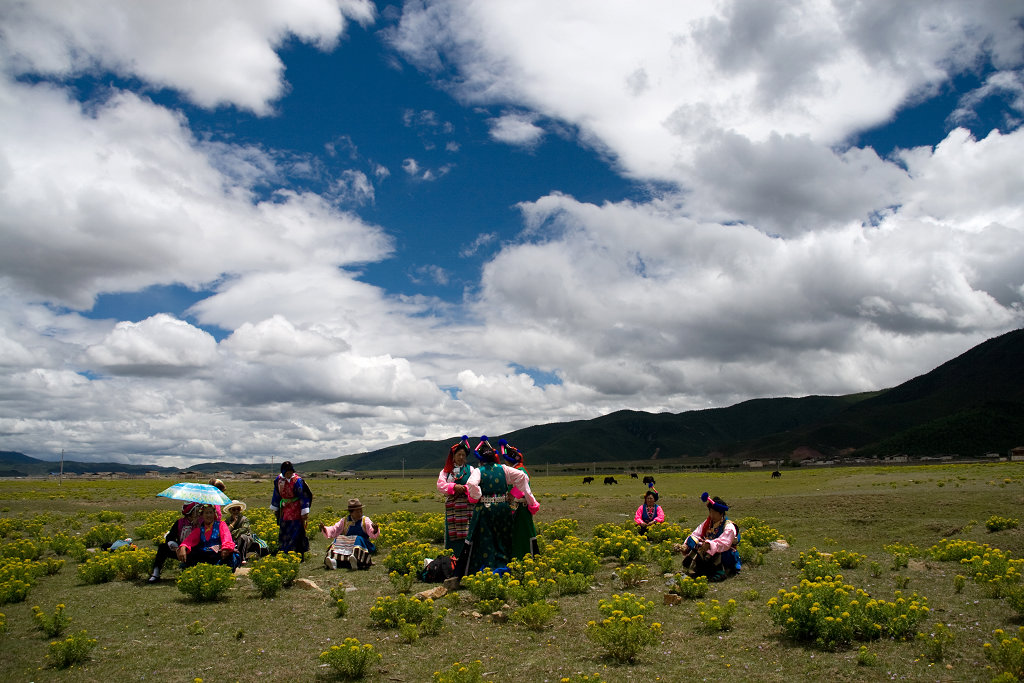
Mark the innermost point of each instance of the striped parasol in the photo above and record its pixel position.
(196, 493)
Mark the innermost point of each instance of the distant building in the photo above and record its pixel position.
(753, 463)
(1017, 454)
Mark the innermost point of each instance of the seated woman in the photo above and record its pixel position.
(650, 513)
(178, 532)
(210, 542)
(711, 548)
(353, 536)
(241, 532)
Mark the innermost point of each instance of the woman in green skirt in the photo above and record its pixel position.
(489, 542)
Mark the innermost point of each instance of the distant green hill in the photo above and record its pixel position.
(971, 405)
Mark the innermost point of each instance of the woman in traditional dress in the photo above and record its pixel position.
(241, 532)
(650, 513)
(489, 542)
(524, 532)
(711, 548)
(451, 482)
(290, 503)
(210, 542)
(355, 534)
(178, 532)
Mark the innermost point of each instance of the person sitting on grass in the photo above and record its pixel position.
(354, 536)
(210, 543)
(241, 532)
(711, 548)
(179, 531)
(650, 513)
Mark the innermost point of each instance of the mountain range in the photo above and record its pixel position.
(968, 406)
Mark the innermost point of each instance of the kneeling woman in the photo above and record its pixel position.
(711, 548)
(354, 534)
(210, 542)
(650, 513)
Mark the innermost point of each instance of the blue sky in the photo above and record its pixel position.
(260, 231)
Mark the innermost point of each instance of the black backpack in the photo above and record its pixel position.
(439, 569)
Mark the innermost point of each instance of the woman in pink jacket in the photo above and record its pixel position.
(711, 550)
(210, 542)
(355, 534)
(649, 513)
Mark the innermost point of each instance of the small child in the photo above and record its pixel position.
(353, 536)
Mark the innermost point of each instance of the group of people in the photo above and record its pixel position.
(488, 521)
(489, 508)
(711, 549)
(202, 535)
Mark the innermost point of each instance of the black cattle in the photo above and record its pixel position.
(632, 475)
(588, 480)
(610, 480)
(649, 480)
(776, 474)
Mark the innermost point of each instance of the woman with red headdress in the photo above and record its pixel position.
(524, 532)
(711, 548)
(489, 543)
(451, 483)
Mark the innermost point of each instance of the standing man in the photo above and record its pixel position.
(290, 503)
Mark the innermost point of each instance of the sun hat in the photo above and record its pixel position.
(354, 504)
(235, 504)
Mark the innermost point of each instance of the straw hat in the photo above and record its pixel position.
(235, 504)
(354, 504)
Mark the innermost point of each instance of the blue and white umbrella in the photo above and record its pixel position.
(196, 493)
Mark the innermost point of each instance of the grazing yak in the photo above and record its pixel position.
(649, 480)
(776, 474)
(610, 480)
(632, 475)
(588, 480)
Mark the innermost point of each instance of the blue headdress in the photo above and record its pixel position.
(484, 444)
(718, 505)
(512, 454)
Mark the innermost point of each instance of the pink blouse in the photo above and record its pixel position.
(517, 478)
(658, 518)
(226, 542)
(341, 525)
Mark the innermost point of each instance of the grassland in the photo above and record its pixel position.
(151, 632)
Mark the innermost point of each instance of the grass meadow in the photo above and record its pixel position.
(146, 632)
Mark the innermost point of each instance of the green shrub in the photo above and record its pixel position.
(1007, 653)
(274, 572)
(995, 571)
(103, 533)
(429, 527)
(715, 616)
(351, 660)
(623, 631)
(54, 624)
(408, 557)
(72, 546)
(487, 585)
(558, 529)
(461, 673)
(689, 587)
(72, 650)
(131, 565)
(997, 523)
(392, 612)
(936, 642)
(156, 525)
(571, 555)
(572, 583)
(661, 554)
(667, 531)
(819, 567)
(21, 549)
(97, 569)
(340, 606)
(529, 590)
(955, 550)
(847, 559)
(832, 614)
(534, 615)
(615, 541)
(205, 582)
(633, 574)
(865, 657)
